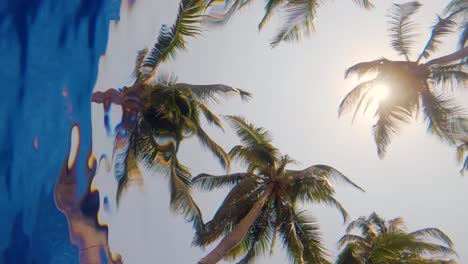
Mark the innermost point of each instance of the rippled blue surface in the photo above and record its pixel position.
(49, 52)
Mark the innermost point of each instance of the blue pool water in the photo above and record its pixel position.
(49, 52)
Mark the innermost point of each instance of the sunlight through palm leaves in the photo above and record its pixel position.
(159, 112)
(413, 86)
(380, 241)
(298, 21)
(262, 202)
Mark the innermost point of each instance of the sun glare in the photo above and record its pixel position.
(380, 93)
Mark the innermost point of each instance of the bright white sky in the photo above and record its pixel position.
(297, 89)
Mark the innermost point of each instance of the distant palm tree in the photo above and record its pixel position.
(262, 202)
(388, 242)
(299, 20)
(413, 85)
(158, 113)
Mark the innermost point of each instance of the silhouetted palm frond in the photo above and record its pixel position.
(402, 28)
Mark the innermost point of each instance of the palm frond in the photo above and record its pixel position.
(367, 67)
(443, 27)
(171, 39)
(355, 97)
(433, 233)
(361, 224)
(181, 199)
(209, 182)
(351, 239)
(463, 38)
(122, 157)
(212, 92)
(455, 6)
(300, 15)
(396, 225)
(364, 3)
(219, 12)
(459, 9)
(300, 237)
(260, 235)
(217, 150)
(247, 132)
(388, 123)
(270, 7)
(322, 171)
(137, 70)
(331, 201)
(439, 110)
(452, 75)
(378, 222)
(349, 255)
(402, 28)
(210, 117)
(259, 157)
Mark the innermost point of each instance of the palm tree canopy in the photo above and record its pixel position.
(380, 241)
(158, 113)
(299, 15)
(280, 216)
(413, 86)
(170, 113)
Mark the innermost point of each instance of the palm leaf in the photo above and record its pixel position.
(452, 75)
(434, 233)
(439, 111)
(219, 12)
(321, 171)
(355, 97)
(137, 70)
(247, 132)
(299, 19)
(217, 150)
(270, 7)
(364, 3)
(367, 67)
(443, 27)
(181, 199)
(300, 237)
(388, 123)
(363, 224)
(209, 182)
(396, 225)
(172, 38)
(349, 255)
(352, 239)
(402, 28)
(259, 157)
(206, 93)
(121, 156)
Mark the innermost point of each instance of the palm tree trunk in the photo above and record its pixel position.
(235, 236)
(458, 55)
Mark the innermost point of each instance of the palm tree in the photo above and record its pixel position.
(159, 112)
(388, 242)
(413, 85)
(299, 20)
(262, 203)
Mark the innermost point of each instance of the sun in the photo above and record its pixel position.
(380, 93)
